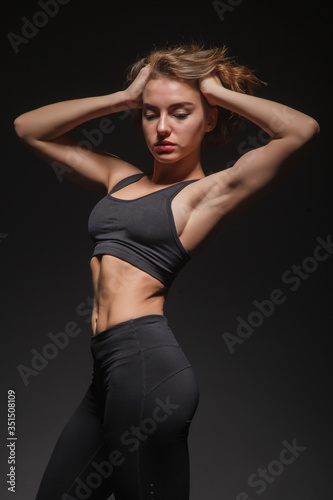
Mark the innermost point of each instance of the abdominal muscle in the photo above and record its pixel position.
(122, 292)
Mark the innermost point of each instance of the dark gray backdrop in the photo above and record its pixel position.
(273, 391)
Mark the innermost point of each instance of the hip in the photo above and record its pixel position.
(141, 351)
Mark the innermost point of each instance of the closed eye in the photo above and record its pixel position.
(179, 116)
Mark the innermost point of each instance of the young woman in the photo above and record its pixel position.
(129, 434)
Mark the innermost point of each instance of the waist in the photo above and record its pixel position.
(125, 311)
(131, 337)
(122, 292)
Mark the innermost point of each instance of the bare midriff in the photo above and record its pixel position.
(122, 292)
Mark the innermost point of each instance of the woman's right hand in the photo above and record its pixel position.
(133, 93)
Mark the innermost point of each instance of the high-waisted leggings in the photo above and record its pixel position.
(128, 435)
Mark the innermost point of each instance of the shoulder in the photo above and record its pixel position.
(120, 170)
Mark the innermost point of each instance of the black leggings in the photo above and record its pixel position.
(129, 434)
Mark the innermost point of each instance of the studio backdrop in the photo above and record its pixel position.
(252, 311)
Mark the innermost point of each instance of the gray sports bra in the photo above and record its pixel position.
(140, 231)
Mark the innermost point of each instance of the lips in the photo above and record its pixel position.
(165, 147)
(164, 143)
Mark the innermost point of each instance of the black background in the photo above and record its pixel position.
(276, 385)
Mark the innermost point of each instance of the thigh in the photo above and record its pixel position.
(163, 451)
(77, 467)
(151, 399)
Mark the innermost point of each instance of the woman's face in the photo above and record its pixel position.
(175, 118)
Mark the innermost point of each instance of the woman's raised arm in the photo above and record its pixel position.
(54, 120)
(256, 171)
(43, 131)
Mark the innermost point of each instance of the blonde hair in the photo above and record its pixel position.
(194, 61)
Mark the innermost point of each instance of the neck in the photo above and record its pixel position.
(183, 170)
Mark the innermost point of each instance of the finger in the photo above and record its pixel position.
(145, 69)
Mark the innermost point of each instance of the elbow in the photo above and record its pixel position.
(315, 128)
(306, 133)
(21, 129)
(19, 126)
(310, 130)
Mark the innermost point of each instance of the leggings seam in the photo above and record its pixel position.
(120, 356)
(138, 351)
(166, 378)
(143, 374)
(84, 467)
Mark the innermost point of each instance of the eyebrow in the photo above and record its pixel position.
(176, 105)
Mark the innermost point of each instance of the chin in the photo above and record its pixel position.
(167, 158)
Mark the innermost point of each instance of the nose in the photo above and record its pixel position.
(163, 126)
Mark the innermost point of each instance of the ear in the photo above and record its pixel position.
(212, 114)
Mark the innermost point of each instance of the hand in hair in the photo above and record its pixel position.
(208, 86)
(133, 93)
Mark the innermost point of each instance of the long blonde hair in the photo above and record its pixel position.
(194, 61)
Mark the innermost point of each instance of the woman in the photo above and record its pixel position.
(129, 434)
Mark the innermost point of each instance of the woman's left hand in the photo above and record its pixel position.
(209, 85)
